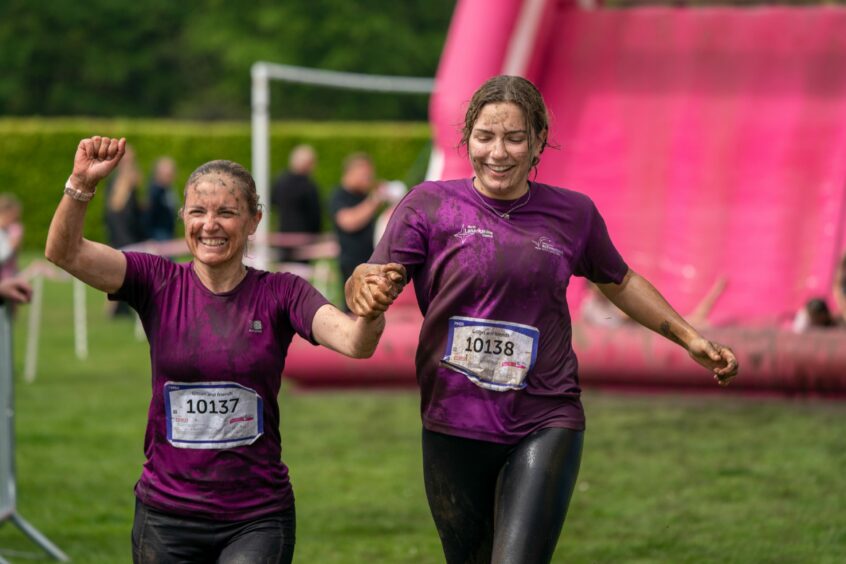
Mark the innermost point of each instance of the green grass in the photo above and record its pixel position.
(667, 479)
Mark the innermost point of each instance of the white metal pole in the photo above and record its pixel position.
(261, 156)
(31, 361)
(80, 327)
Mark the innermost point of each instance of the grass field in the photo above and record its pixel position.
(666, 479)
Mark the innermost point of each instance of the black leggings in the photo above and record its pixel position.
(495, 503)
(162, 538)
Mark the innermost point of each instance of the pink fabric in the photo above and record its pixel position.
(712, 140)
(469, 58)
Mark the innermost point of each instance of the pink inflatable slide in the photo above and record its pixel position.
(714, 143)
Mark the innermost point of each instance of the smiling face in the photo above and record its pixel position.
(500, 151)
(218, 221)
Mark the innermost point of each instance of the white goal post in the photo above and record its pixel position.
(262, 73)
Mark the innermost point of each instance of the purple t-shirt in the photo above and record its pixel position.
(479, 276)
(216, 356)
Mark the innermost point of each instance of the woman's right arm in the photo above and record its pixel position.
(95, 264)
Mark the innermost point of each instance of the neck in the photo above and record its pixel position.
(515, 193)
(222, 278)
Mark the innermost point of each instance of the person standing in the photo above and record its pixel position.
(295, 196)
(123, 215)
(161, 201)
(355, 205)
(11, 234)
(213, 487)
(491, 258)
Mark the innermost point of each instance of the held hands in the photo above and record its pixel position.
(95, 158)
(372, 288)
(717, 358)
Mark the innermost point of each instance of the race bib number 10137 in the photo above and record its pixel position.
(212, 415)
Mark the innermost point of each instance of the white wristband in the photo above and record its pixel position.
(78, 195)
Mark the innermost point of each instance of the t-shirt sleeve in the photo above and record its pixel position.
(337, 202)
(405, 238)
(600, 262)
(143, 273)
(301, 301)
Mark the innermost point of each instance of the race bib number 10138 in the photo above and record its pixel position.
(496, 355)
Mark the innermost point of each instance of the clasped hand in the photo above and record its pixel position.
(372, 288)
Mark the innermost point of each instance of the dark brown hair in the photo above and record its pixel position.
(236, 172)
(518, 91)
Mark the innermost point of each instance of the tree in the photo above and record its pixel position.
(191, 59)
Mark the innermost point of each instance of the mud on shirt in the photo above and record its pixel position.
(489, 286)
(212, 443)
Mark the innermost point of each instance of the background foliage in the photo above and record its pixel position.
(159, 58)
(191, 60)
(36, 156)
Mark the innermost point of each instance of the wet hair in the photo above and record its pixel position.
(518, 91)
(233, 170)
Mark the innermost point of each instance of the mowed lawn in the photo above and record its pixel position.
(664, 478)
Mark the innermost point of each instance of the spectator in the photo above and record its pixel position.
(123, 213)
(11, 234)
(296, 198)
(162, 204)
(12, 287)
(815, 314)
(354, 207)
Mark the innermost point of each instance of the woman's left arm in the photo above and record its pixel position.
(355, 337)
(642, 302)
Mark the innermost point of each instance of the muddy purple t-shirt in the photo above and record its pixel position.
(212, 444)
(495, 360)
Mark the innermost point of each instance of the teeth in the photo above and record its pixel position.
(499, 168)
(213, 242)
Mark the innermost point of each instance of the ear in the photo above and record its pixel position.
(542, 138)
(255, 223)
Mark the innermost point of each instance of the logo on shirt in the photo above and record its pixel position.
(470, 230)
(545, 244)
(255, 326)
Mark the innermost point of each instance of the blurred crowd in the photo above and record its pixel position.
(360, 207)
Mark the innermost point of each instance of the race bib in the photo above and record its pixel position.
(212, 415)
(495, 355)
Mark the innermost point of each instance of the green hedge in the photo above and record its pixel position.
(36, 155)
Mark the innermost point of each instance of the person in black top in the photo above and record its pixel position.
(123, 214)
(355, 206)
(295, 196)
(162, 204)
